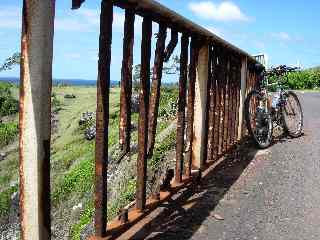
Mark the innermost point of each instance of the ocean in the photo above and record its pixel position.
(71, 82)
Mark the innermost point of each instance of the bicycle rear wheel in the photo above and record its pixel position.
(259, 122)
(292, 115)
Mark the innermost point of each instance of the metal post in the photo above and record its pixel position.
(155, 87)
(181, 107)
(35, 118)
(102, 121)
(200, 104)
(143, 113)
(126, 82)
(218, 70)
(194, 55)
(242, 96)
(211, 105)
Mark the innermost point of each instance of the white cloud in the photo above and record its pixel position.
(225, 11)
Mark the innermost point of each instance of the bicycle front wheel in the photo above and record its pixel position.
(292, 115)
(259, 122)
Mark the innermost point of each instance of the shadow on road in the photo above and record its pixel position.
(184, 215)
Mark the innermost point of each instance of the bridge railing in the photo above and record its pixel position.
(215, 77)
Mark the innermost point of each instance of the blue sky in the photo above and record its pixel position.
(286, 30)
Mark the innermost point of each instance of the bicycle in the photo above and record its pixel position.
(263, 113)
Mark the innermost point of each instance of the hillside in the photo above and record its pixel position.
(315, 68)
(72, 162)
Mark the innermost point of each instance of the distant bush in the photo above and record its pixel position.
(71, 96)
(8, 131)
(8, 104)
(307, 79)
(168, 102)
(56, 103)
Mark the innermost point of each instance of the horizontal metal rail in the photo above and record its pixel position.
(160, 13)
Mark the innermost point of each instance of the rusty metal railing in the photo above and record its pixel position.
(213, 84)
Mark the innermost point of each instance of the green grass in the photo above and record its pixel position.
(161, 149)
(8, 132)
(72, 157)
(5, 198)
(85, 219)
(126, 196)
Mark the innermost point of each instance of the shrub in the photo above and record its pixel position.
(168, 102)
(8, 131)
(8, 105)
(300, 80)
(5, 200)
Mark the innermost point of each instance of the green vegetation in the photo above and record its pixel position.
(8, 132)
(72, 157)
(308, 79)
(168, 102)
(161, 149)
(85, 219)
(5, 197)
(8, 104)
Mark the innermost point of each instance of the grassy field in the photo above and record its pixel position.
(72, 159)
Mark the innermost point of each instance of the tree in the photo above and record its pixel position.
(10, 62)
(170, 68)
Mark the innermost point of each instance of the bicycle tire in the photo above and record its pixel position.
(291, 132)
(267, 143)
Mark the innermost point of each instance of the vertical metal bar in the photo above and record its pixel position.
(143, 113)
(225, 110)
(194, 55)
(237, 96)
(230, 102)
(211, 113)
(234, 103)
(181, 107)
(207, 109)
(218, 103)
(221, 118)
(242, 96)
(102, 119)
(35, 118)
(155, 87)
(200, 103)
(214, 104)
(126, 81)
(172, 45)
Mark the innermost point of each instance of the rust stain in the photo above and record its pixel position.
(172, 45)
(102, 118)
(181, 107)
(143, 113)
(126, 82)
(155, 88)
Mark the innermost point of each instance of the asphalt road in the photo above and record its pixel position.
(270, 195)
